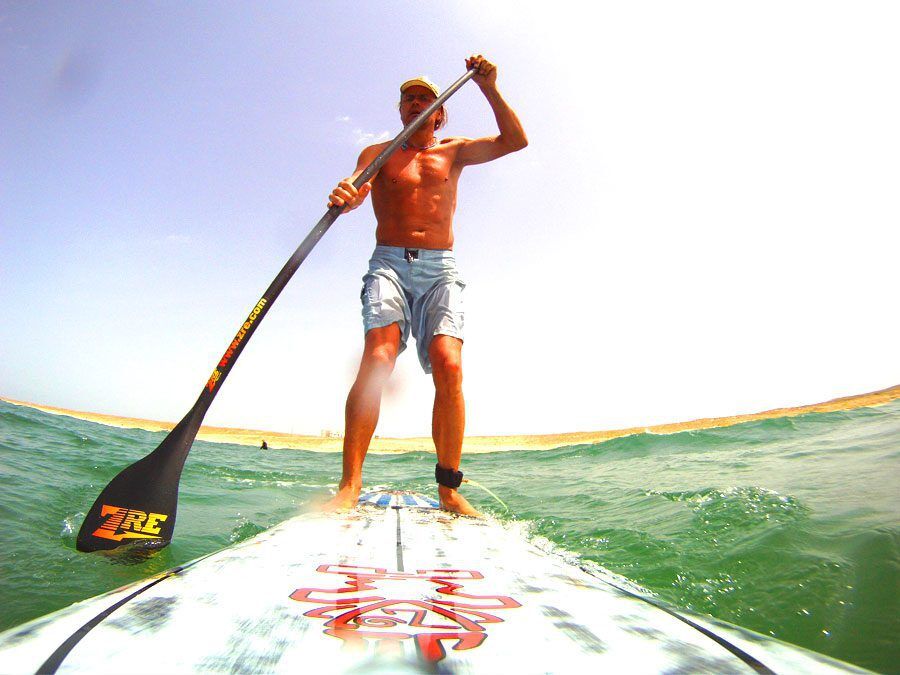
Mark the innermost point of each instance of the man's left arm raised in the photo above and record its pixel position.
(511, 137)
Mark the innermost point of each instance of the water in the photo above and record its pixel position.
(789, 526)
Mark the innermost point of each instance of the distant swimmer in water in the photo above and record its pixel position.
(412, 285)
(264, 446)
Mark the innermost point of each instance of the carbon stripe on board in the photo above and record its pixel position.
(56, 658)
(751, 661)
(399, 542)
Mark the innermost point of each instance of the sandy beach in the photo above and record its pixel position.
(472, 444)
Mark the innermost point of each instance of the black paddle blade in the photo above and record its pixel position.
(137, 509)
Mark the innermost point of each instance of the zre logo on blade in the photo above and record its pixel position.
(134, 524)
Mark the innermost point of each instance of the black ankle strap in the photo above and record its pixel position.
(447, 477)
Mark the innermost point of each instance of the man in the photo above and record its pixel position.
(412, 285)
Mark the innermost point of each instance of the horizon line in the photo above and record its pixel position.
(471, 444)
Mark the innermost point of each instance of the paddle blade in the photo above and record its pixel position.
(137, 509)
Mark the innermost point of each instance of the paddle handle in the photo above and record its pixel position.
(250, 324)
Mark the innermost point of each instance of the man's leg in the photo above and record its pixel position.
(363, 405)
(448, 421)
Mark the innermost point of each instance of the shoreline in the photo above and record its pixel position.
(471, 444)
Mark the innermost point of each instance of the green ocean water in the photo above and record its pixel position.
(789, 526)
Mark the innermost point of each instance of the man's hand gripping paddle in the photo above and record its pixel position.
(138, 506)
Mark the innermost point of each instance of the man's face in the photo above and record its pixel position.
(413, 102)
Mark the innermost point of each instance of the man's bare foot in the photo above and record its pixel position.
(452, 501)
(345, 499)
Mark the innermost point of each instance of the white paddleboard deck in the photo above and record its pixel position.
(396, 585)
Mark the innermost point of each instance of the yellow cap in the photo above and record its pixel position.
(421, 81)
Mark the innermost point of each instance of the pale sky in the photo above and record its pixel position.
(704, 222)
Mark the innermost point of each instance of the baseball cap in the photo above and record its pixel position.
(421, 81)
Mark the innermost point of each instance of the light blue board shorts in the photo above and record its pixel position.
(419, 289)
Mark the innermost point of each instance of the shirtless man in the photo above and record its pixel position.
(412, 285)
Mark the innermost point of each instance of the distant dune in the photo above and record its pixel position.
(473, 444)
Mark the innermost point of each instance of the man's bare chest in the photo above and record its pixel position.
(407, 170)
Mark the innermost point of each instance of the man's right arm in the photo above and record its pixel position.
(345, 193)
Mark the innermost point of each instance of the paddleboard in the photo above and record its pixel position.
(397, 585)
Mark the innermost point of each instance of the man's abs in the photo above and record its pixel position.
(435, 236)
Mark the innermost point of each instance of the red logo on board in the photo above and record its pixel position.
(371, 605)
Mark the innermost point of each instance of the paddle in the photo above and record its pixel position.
(138, 506)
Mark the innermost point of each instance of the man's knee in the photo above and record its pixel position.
(381, 358)
(446, 361)
(382, 347)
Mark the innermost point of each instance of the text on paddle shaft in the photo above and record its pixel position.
(238, 339)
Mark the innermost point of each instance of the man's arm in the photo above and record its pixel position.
(345, 193)
(511, 137)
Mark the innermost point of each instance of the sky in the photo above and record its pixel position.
(704, 223)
